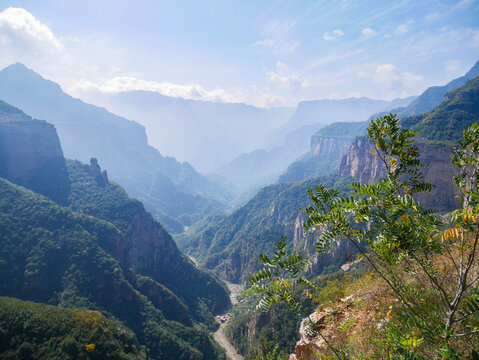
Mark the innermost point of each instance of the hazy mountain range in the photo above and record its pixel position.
(174, 192)
(206, 134)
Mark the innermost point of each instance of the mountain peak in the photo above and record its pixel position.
(18, 75)
(18, 68)
(473, 72)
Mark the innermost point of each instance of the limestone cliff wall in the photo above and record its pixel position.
(31, 155)
(330, 146)
(360, 164)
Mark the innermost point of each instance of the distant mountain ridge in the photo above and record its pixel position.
(344, 110)
(262, 167)
(175, 193)
(206, 134)
(434, 95)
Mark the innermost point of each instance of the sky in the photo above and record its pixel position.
(261, 52)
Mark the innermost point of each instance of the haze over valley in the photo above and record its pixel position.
(239, 180)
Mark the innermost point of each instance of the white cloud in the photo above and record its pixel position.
(94, 92)
(368, 32)
(453, 68)
(292, 82)
(279, 35)
(462, 4)
(433, 16)
(284, 79)
(389, 75)
(393, 82)
(333, 35)
(23, 36)
(332, 58)
(127, 83)
(266, 42)
(401, 29)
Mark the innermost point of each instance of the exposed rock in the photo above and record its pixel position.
(31, 156)
(101, 177)
(328, 145)
(360, 164)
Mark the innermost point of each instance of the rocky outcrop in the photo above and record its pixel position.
(328, 146)
(361, 165)
(31, 155)
(101, 177)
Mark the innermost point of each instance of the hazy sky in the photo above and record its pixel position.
(265, 53)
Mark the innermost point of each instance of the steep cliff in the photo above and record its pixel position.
(101, 250)
(361, 165)
(31, 154)
(120, 145)
(439, 130)
(328, 145)
(146, 249)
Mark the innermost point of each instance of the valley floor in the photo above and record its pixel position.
(223, 320)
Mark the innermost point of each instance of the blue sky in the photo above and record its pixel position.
(266, 53)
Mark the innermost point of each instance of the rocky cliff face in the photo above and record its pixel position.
(329, 146)
(120, 145)
(145, 247)
(361, 165)
(31, 155)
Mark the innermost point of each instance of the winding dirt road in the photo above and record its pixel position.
(223, 320)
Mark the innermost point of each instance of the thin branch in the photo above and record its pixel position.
(444, 299)
(471, 283)
(467, 334)
(455, 321)
(452, 258)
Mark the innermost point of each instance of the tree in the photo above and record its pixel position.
(429, 263)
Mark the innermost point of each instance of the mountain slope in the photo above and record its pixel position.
(53, 255)
(230, 245)
(147, 249)
(447, 121)
(101, 251)
(328, 146)
(434, 95)
(259, 168)
(28, 331)
(174, 192)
